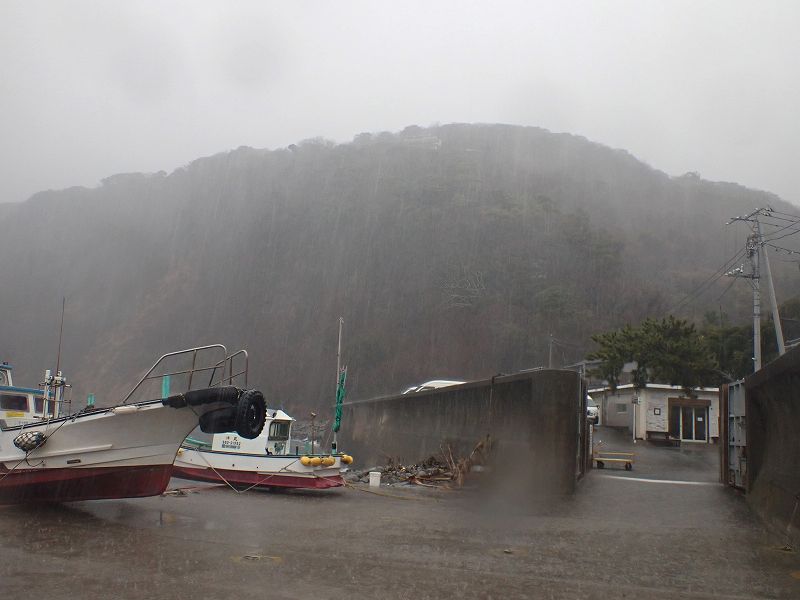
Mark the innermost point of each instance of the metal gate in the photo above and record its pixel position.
(736, 446)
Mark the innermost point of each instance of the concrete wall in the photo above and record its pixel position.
(773, 443)
(535, 420)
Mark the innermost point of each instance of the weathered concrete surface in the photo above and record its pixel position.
(616, 538)
(773, 443)
(533, 419)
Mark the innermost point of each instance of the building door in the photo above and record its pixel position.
(687, 423)
(693, 423)
(688, 419)
(675, 421)
(700, 424)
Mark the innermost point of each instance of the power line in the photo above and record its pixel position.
(720, 272)
(773, 211)
(727, 289)
(703, 287)
(791, 220)
(781, 248)
(780, 237)
(791, 223)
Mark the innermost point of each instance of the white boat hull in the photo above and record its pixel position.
(254, 470)
(122, 452)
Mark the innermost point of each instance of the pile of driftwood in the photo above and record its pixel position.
(443, 470)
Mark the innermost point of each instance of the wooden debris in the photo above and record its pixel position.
(445, 470)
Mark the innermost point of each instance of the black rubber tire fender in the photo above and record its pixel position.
(222, 420)
(227, 394)
(251, 414)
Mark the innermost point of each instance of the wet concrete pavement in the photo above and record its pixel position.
(624, 534)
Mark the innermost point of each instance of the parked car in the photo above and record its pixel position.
(432, 385)
(592, 411)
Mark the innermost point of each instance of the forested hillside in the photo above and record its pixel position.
(451, 252)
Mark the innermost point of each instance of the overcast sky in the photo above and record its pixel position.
(89, 89)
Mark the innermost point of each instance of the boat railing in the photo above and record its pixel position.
(213, 358)
(227, 365)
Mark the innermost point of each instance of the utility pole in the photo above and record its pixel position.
(755, 246)
(550, 353)
(753, 276)
(752, 252)
(776, 318)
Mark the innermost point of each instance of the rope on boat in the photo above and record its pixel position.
(257, 483)
(377, 493)
(27, 452)
(284, 469)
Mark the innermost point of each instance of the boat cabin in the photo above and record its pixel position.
(275, 439)
(19, 405)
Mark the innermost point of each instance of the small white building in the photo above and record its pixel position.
(661, 411)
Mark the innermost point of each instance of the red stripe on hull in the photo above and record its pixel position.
(248, 478)
(92, 483)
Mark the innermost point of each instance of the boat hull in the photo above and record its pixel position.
(66, 485)
(249, 470)
(259, 480)
(122, 452)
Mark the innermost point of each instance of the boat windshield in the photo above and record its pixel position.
(279, 430)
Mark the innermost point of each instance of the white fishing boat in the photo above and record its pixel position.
(266, 461)
(122, 451)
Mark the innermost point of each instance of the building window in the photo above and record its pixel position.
(13, 402)
(622, 407)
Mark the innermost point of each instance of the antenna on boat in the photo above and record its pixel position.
(60, 335)
(57, 382)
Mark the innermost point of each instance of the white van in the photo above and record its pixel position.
(592, 411)
(432, 385)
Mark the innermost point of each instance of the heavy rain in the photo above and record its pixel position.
(399, 300)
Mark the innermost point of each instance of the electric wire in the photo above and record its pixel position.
(792, 223)
(558, 342)
(713, 278)
(772, 239)
(790, 220)
(727, 289)
(781, 248)
(783, 213)
(700, 289)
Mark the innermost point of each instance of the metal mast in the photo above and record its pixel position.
(339, 351)
(335, 443)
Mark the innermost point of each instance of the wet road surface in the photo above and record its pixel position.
(624, 534)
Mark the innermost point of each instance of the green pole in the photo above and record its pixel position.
(165, 386)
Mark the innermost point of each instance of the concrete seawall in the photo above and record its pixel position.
(773, 443)
(534, 420)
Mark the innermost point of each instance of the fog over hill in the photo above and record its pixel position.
(450, 251)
